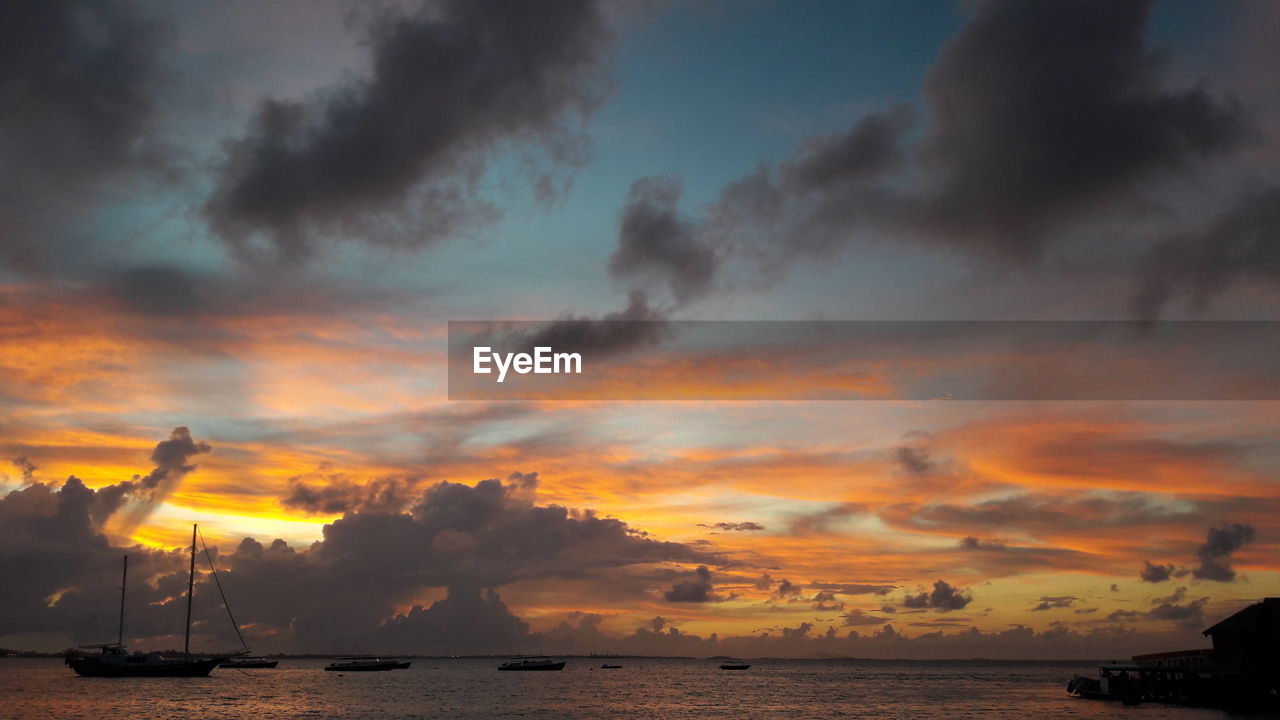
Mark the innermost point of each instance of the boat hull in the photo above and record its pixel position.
(95, 667)
(531, 668)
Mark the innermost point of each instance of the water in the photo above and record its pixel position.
(45, 689)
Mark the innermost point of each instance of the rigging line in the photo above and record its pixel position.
(218, 582)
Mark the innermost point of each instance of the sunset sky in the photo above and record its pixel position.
(232, 236)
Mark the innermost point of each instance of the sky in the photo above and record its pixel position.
(232, 237)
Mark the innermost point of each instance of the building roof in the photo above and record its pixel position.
(1249, 618)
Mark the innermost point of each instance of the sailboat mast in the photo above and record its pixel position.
(124, 580)
(191, 584)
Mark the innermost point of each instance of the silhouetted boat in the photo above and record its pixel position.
(531, 662)
(114, 660)
(258, 663)
(365, 664)
(734, 665)
(1115, 681)
(607, 666)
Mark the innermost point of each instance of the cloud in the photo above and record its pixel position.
(1215, 554)
(854, 588)
(171, 466)
(915, 461)
(635, 327)
(856, 618)
(786, 589)
(819, 522)
(1055, 602)
(943, 598)
(1189, 614)
(1238, 244)
(700, 589)
(80, 82)
(466, 620)
(970, 542)
(655, 243)
(449, 83)
(1085, 120)
(27, 467)
(1153, 573)
(339, 494)
(747, 526)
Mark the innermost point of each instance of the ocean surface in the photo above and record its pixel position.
(672, 689)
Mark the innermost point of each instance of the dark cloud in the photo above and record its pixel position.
(1189, 614)
(854, 588)
(339, 494)
(635, 327)
(915, 461)
(699, 589)
(856, 617)
(466, 620)
(747, 526)
(826, 601)
(786, 589)
(347, 588)
(1215, 554)
(655, 243)
(52, 538)
(79, 80)
(943, 598)
(1055, 602)
(27, 467)
(1242, 243)
(1083, 121)
(1154, 573)
(448, 84)
(970, 542)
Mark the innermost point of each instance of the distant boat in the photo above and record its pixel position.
(250, 663)
(365, 664)
(531, 662)
(114, 660)
(607, 666)
(731, 664)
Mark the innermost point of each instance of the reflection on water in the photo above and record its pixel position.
(673, 689)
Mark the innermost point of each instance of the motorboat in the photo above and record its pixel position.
(531, 662)
(607, 666)
(365, 664)
(732, 664)
(1115, 681)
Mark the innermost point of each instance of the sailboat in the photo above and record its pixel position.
(114, 660)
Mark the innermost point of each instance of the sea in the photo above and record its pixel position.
(670, 689)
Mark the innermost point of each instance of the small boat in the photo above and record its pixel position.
(115, 660)
(250, 663)
(1115, 681)
(365, 663)
(531, 662)
(607, 666)
(734, 665)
